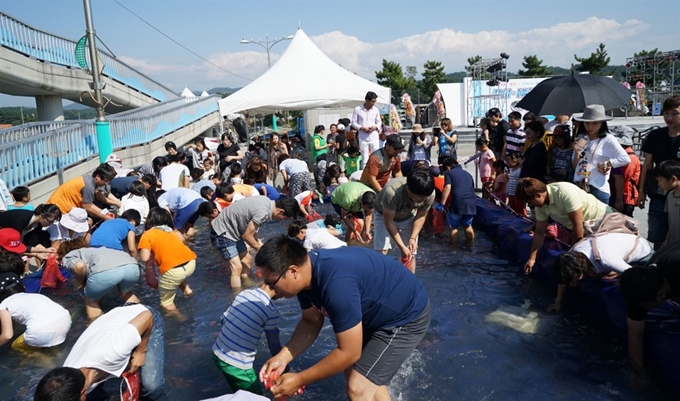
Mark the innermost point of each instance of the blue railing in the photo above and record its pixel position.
(33, 129)
(56, 50)
(30, 158)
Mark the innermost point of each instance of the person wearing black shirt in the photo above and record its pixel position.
(536, 155)
(229, 152)
(497, 130)
(660, 145)
(340, 141)
(646, 287)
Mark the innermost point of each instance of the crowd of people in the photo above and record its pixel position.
(109, 229)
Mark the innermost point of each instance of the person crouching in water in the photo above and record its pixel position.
(47, 322)
(606, 255)
(99, 270)
(463, 206)
(175, 260)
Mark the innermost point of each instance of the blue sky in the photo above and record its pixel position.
(356, 34)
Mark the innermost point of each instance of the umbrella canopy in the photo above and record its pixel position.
(568, 95)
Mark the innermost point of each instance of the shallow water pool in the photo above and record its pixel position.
(482, 345)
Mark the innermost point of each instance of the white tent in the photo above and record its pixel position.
(187, 93)
(205, 94)
(303, 78)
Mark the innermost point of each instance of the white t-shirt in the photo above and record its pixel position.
(293, 166)
(612, 248)
(59, 233)
(322, 239)
(108, 343)
(171, 174)
(38, 313)
(301, 197)
(134, 202)
(178, 198)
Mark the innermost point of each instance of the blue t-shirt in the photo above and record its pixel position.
(27, 206)
(120, 186)
(272, 193)
(111, 233)
(463, 197)
(352, 285)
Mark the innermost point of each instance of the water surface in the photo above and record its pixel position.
(463, 356)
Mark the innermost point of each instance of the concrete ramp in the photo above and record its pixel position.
(37, 63)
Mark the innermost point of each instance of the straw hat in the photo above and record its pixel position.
(592, 113)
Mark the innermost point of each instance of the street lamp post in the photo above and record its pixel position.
(267, 45)
(102, 127)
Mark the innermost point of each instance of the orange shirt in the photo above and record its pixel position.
(168, 250)
(381, 167)
(68, 195)
(245, 190)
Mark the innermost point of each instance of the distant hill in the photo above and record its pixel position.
(77, 106)
(221, 90)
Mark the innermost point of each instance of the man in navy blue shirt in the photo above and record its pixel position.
(379, 311)
(463, 207)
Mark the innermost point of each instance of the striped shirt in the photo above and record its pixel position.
(515, 140)
(251, 313)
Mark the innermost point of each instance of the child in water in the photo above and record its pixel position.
(46, 321)
(251, 313)
(175, 260)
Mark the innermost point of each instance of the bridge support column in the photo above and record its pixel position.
(49, 108)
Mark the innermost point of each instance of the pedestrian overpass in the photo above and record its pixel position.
(43, 155)
(40, 64)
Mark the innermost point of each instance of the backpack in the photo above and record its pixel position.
(611, 223)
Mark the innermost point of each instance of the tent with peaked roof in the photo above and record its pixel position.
(205, 94)
(303, 78)
(187, 93)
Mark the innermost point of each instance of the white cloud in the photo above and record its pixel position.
(555, 45)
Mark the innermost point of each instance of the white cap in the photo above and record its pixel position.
(340, 127)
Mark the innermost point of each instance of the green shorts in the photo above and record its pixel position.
(239, 379)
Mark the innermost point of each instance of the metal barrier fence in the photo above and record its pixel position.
(32, 129)
(56, 50)
(29, 158)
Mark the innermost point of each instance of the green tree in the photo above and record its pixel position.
(393, 77)
(534, 67)
(433, 74)
(471, 61)
(411, 71)
(596, 63)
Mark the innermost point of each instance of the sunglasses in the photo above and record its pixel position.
(273, 285)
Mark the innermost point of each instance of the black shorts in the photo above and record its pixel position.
(386, 350)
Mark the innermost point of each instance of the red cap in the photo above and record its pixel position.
(10, 239)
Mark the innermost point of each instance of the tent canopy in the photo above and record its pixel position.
(303, 78)
(187, 93)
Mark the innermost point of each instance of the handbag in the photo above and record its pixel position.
(129, 386)
(584, 184)
(150, 273)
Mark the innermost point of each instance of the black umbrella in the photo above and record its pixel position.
(571, 94)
